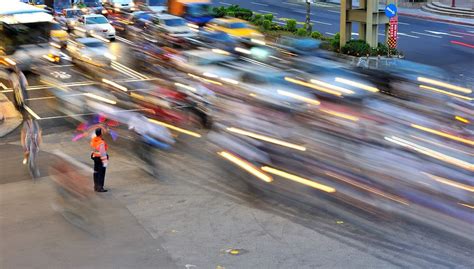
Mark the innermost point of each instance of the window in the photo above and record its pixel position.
(74, 13)
(96, 20)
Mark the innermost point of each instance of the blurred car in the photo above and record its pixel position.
(173, 25)
(90, 51)
(234, 27)
(69, 17)
(302, 46)
(219, 40)
(119, 5)
(95, 24)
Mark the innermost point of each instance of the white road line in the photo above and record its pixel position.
(78, 84)
(437, 36)
(89, 114)
(328, 33)
(291, 4)
(460, 33)
(265, 11)
(259, 4)
(225, 4)
(124, 40)
(118, 66)
(354, 33)
(441, 33)
(333, 11)
(381, 34)
(321, 22)
(52, 97)
(32, 112)
(64, 56)
(403, 23)
(279, 22)
(407, 35)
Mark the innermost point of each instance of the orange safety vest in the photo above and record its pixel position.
(96, 142)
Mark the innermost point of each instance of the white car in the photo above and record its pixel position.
(69, 17)
(90, 51)
(173, 26)
(120, 5)
(94, 25)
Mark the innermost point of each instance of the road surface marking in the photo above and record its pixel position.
(437, 36)
(403, 23)
(333, 11)
(51, 97)
(321, 22)
(381, 34)
(124, 40)
(459, 33)
(116, 65)
(265, 11)
(291, 4)
(328, 33)
(225, 4)
(281, 23)
(259, 4)
(78, 84)
(89, 114)
(32, 113)
(441, 33)
(65, 57)
(407, 35)
(354, 33)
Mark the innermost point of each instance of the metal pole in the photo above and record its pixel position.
(453, 3)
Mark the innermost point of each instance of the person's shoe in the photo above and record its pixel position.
(25, 161)
(102, 190)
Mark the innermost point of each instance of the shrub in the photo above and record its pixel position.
(219, 12)
(268, 17)
(301, 32)
(316, 35)
(245, 14)
(356, 48)
(308, 28)
(335, 41)
(277, 27)
(382, 49)
(256, 17)
(267, 25)
(291, 25)
(230, 13)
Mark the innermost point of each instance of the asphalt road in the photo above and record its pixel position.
(427, 42)
(201, 206)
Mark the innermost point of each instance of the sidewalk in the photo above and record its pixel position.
(418, 13)
(10, 118)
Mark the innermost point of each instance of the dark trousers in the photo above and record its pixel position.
(99, 173)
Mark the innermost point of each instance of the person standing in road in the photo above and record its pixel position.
(101, 158)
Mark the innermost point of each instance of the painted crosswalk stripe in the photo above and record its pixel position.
(32, 112)
(124, 40)
(65, 56)
(425, 34)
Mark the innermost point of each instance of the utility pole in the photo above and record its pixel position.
(309, 28)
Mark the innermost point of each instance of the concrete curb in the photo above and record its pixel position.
(435, 19)
(11, 117)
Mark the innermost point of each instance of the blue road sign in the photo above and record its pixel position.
(391, 10)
